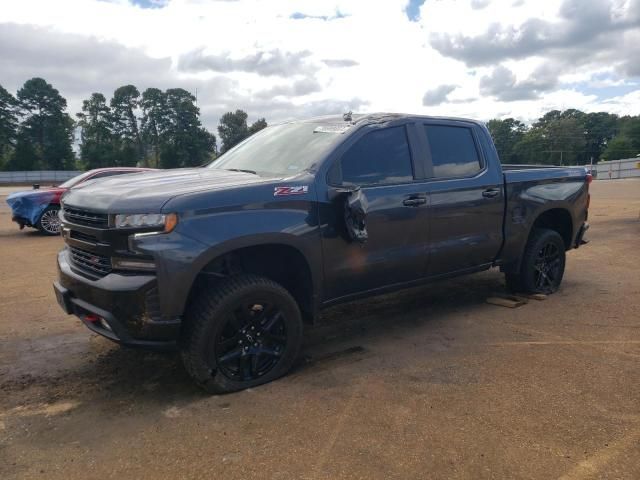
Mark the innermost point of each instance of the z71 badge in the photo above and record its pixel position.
(281, 191)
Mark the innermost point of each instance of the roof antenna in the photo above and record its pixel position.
(347, 116)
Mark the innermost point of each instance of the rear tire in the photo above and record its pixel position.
(542, 265)
(49, 223)
(241, 332)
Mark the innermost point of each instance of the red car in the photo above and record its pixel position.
(39, 208)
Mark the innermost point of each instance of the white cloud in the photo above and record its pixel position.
(284, 59)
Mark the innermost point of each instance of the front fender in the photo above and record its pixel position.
(201, 238)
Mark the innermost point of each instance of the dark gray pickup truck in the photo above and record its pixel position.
(228, 261)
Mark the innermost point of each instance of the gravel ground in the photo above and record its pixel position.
(427, 383)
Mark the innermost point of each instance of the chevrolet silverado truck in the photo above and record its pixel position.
(227, 262)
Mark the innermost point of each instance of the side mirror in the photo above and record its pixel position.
(354, 204)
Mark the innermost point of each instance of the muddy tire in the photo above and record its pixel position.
(542, 265)
(49, 223)
(241, 332)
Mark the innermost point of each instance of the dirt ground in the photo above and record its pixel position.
(427, 383)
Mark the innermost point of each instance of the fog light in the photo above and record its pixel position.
(132, 264)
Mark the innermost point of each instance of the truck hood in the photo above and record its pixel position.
(149, 191)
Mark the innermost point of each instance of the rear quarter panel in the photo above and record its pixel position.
(530, 192)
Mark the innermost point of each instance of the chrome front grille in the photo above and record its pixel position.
(97, 265)
(84, 217)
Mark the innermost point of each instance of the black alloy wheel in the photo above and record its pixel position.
(548, 268)
(252, 341)
(542, 264)
(240, 332)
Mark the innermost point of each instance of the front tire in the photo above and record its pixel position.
(49, 222)
(241, 332)
(542, 265)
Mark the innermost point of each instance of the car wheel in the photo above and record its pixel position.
(542, 265)
(49, 222)
(241, 332)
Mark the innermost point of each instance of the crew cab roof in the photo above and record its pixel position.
(379, 117)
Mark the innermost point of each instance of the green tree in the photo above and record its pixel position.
(530, 149)
(125, 125)
(596, 128)
(97, 147)
(8, 125)
(233, 128)
(45, 134)
(565, 142)
(257, 126)
(506, 134)
(556, 138)
(184, 142)
(599, 129)
(153, 123)
(549, 117)
(627, 143)
(619, 147)
(630, 129)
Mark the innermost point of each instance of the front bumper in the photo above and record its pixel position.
(123, 308)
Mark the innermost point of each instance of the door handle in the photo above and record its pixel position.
(414, 201)
(491, 192)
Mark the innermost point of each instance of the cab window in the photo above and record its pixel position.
(453, 151)
(378, 158)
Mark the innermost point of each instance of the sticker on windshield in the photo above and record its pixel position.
(335, 128)
(297, 190)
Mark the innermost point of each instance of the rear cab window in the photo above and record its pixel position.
(380, 157)
(453, 151)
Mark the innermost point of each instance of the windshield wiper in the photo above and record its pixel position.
(241, 170)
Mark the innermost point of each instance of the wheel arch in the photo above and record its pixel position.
(281, 262)
(48, 205)
(558, 219)
(555, 217)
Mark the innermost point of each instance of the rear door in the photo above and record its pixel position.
(382, 161)
(466, 198)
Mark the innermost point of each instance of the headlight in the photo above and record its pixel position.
(167, 222)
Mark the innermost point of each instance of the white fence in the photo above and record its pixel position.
(614, 169)
(37, 176)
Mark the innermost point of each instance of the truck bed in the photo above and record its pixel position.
(527, 173)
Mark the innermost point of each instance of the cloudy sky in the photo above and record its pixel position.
(292, 59)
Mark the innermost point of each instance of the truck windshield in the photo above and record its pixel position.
(280, 150)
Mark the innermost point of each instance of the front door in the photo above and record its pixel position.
(381, 162)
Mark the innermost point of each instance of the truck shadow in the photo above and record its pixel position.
(106, 372)
(403, 311)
